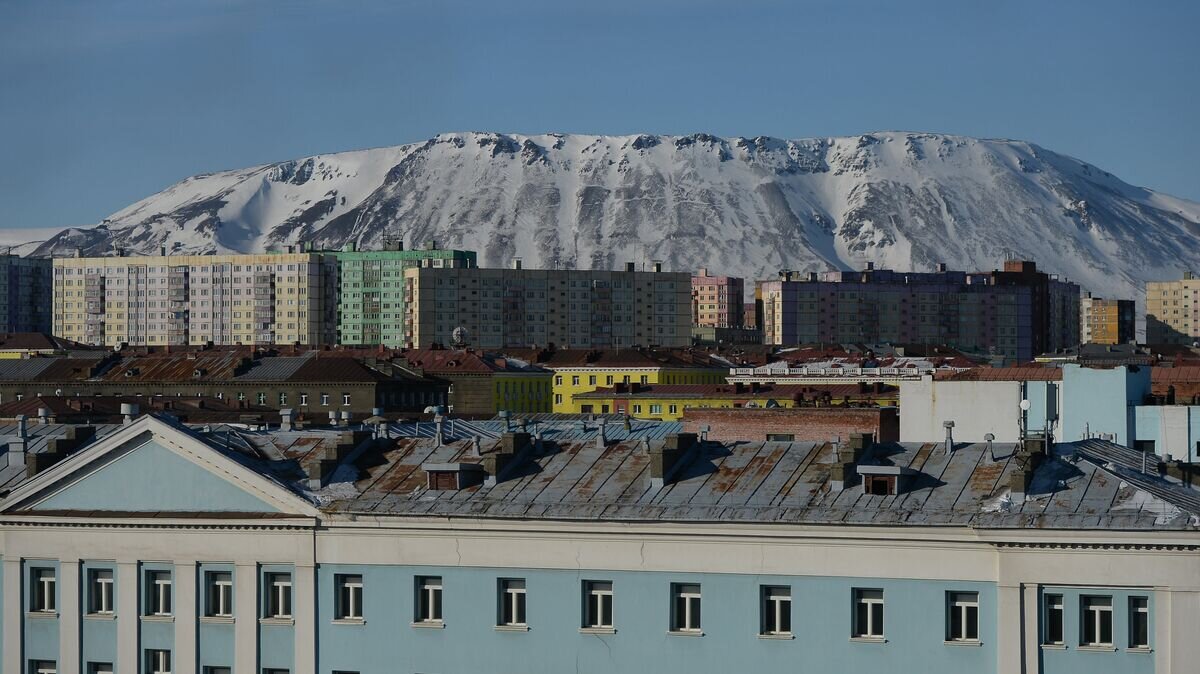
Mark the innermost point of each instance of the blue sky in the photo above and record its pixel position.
(103, 103)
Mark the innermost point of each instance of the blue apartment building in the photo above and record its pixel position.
(150, 548)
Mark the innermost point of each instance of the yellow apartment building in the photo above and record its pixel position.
(1173, 311)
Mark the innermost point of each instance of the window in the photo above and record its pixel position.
(101, 668)
(100, 591)
(325, 399)
(218, 670)
(656, 409)
(591, 380)
(963, 624)
(275, 671)
(158, 593)
(158, 661)
(1053, 620)
(1096, 624)
(349, 597)
(345, 398)
(303, 398)
(429, 599)
(42, 667)
(868, 614)
(685, 608)
(220, 595)
(776, 610)
(41, 591)
(279, 596)
(575, 380)
(598, 609)
(558, 398)
(673, 409)
(1139, 622)
(781, 437)
(512, 602)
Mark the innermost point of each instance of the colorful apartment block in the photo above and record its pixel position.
(370, 289)
(540, 308)
(1016, 313)
(717, 301)
(1104, 321)
(175, 300)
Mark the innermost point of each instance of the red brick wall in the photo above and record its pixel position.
(807, 424)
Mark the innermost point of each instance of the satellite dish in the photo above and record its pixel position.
(459, 336)
(1025, 405)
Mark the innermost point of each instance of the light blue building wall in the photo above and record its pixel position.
(1101, 401)
(915, 625)
(276, 639)
(215, 636)
(1174, 429)
(157, 632)
(1043, 400)
(41, 631)
(98, 633)
(1072, 658)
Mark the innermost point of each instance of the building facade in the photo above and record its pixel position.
(405, 560)
(524, 308)
(718, 301)
(26, 294)
(1104, 321)
(1016, 313)
(370, 289)
(1173, 311)
(175, 300)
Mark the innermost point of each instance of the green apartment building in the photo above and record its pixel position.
(371, 289)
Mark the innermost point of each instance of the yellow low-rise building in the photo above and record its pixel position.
(579, 371)
(670, 402)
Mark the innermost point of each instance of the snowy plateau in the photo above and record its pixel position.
(743, 206)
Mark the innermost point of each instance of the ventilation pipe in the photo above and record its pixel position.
(285, 420)
(949, 426)
(601, 435)
(128, 412)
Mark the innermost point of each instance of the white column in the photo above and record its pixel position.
(304, 608)
(1010, 628)
(128, 622)
(186, 611)
(13, 616)
(68, 616)
(245, 631)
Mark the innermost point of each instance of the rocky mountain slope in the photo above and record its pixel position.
(744, 206)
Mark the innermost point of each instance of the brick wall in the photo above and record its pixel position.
(806, 424)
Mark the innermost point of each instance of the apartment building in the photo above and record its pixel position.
(309, 552)
(26, 294)
(503, 308)
(370, 289)
(718, 301)
(1173, 311)
(172, 300)
(1016, 312)
(1104, 321)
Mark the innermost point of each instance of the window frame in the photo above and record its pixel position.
(218, 595)
(158, 661)
(864, 627)
(101, 592)
(278, 588)
(1054, 602)
(513, 603)
(1093, 609)
(962, 608)
(348, 599)
(43, 590)
(687, 603)
(598, 596)
(160, 599)
(775, 611)
(428, 607)
(1139, 611)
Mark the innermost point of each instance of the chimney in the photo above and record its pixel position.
(500, 461)
(43, 415)
(843, 472)
(344, 419)
(949, 426)
(667, 459)
(601, 435)
(128, 412)
(630, 266)
(941, 267)
(285, 420)
(657, 266)
(516, 263)
(439, 424)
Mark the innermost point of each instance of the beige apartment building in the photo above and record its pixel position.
(577, 309)
(1173, 311)
(274, 298)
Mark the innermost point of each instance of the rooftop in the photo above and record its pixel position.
(855, 392)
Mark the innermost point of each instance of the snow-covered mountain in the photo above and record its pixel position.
(743, 206)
